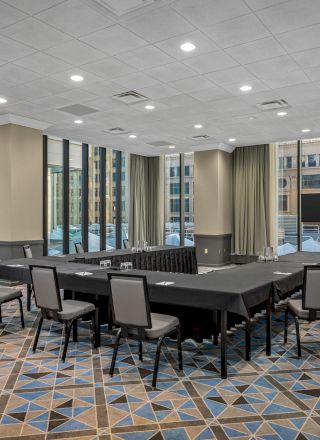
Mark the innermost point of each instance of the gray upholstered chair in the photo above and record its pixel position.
(28, 254)
(48, 300)
(131, 311)
(307, 307)
(126, 243)
(8, 294)
(79, 248)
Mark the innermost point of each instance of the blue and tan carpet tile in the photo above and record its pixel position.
(269, 398)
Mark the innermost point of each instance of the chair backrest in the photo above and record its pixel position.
(126, 243)
(130, 301)
(27, 251)
(46, 288)
(79, 248)
(311, 288)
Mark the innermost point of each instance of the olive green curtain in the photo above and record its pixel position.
(253, 194)
(146, 200)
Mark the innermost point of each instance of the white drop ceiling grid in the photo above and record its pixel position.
(273, 45)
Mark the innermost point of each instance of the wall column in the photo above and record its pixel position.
(21, 190)
(213, 206)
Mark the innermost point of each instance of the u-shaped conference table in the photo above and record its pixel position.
(237, 290)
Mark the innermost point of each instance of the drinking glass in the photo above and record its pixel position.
(123, 266)
(129, 265)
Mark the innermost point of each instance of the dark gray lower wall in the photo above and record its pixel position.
(213, 250)
(13, 249)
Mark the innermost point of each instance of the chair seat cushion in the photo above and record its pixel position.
(72, 309)
(161, 325)
(7, 293)
(295, 305)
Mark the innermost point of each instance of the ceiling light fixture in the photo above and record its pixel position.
(198, 126)
(282, 114)
(172, 147)
(3, 100)
(306, 130)
(149, 107)
(187, 47)
(232, 140)
(76, 78)
(78, 121)
(245, 88)
(132, 136)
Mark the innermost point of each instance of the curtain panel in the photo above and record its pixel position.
(254, 201)
(146, 204)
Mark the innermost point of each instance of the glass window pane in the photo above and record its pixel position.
(188, 199)
(172, 199)
(110, 199)
(125, 164)
(287, 198)
(75, 204)
(94, 198)
(55, 208)
(310, 196)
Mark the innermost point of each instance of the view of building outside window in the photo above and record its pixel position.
(125, 182)
(55, 200)
(188, 199)
(94, 198)
(75, 188)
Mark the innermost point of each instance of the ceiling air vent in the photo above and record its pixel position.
(201, 137)
(116, 130)
(130, 97)
(78, 109)
(275, 104)
(159, 144)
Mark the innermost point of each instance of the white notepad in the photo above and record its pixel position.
(84, 274)
(282, 273)
(165, 283)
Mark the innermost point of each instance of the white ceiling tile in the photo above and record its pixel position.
(75, 17)
(158, 92)
(42, 63)
(211, 94)
(181, 100)
(208, 12)
(35, 33)
(108, 68)
(64, 78)
(48, 86)
(307, 58)
(144, 58)
(290, 15)
(158, 24)
(261, 4)
(172, 45)
(257, 86)
(11, 50)
(300, 39)
(238, 74)
(272, 67)
(313, 73)
(51, 102)
(78, 96)
(191, 84)
(238, 30)
(11, 74)
(283, 79)
(9, 15)
(171, 72)
(136, 80)
(256, 50)
(32, 6)
(210, 62)
(76, 53)
(114, 39)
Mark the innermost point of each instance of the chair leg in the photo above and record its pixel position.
(29, 292)
(286, 317)
(156, 362)
(179, 348)
(140, 351)
(95, 328)
(115, 351)
(21, 313)
(75, 330)
(68, 326)
(215, 327)
(37, 335)
(296, 320)
(248, 340)
(0, 315)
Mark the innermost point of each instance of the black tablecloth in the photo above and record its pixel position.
(180, 259)
(301, 257)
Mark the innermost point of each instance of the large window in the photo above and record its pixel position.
(188, 199)
(125, 167)
(75, 189)
(55, 197)
(110, 183)
(93, 198)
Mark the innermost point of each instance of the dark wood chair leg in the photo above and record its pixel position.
(156, 362)
(115, 351)
(248, 340)
(75, 330)
(0, 315)
(29, 293)
(95, 329)
(179, 348)
(21, 312)
(215, 327)
(296, 320)
(286, 318)
(68, 327)
(268, 326)
(224, 368)
(140, 351)
(37, 335)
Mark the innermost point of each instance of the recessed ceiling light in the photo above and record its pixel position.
(149, 107)
(245, 88)
(198, 126)
(132, 136)
(172, 147)
(282, 113)
(306, 130)
(3, 100)
(232, 140)
(187, 47)
(76, 78)
(78, 121)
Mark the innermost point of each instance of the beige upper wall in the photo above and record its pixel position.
(21, 186)
(212, 192)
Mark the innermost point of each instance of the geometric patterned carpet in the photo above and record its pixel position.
(268, 398)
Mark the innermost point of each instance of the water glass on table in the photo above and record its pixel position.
(105, 264)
